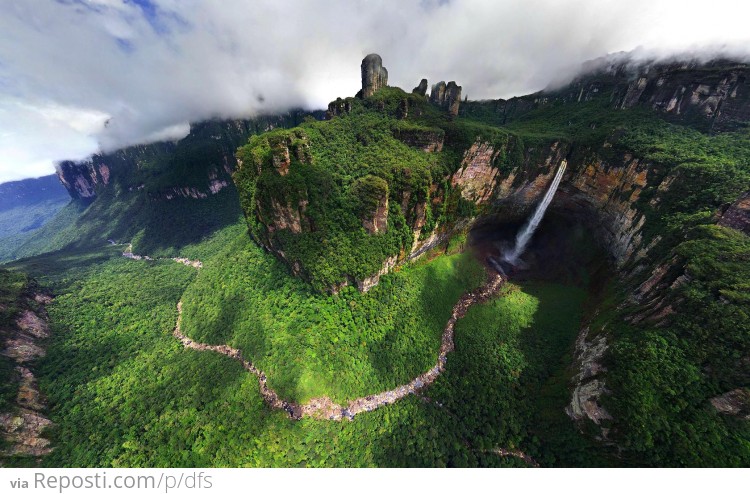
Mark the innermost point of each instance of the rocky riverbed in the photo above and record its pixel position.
(323, 408)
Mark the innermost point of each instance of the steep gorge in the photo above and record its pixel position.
(660, 210)
(629, 181)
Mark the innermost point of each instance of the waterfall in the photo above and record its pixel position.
(523, 237)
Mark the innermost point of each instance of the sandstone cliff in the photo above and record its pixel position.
(714, 96)
(23, 424)
(737, 214)
(446, 96)
(196, 167)
(421, 89)
(374, 75)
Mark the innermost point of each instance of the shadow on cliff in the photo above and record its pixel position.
(403, 355)
(159, 228)
(170, 225)
(488, 398)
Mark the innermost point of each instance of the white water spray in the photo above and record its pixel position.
(523, 237)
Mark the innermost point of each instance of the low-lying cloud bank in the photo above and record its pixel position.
(80, 76)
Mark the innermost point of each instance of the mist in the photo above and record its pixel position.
(84, 76)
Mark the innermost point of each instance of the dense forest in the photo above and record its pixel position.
(123, 391)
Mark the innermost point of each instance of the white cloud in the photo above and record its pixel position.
(150, 66)
(35, 135)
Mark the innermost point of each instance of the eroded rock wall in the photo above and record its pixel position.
(374, 75)
(22, 426)
(712, 96)
(737, 215)
(447, 96)
(196, 167)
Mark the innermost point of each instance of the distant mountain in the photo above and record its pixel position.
(26, 206)
(31, 191)
(156, 196)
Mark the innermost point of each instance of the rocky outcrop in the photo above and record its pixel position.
(588, 383)
(428, 140)
(79, 179)
(421, 89)
(446, 96)
(737, 215)
(477, 176)
(283, 211)
(377, 222)
(286, 216)
(365, 284)
(711, 96)
(374, 75)
(338, 107)
(372, 194)
(284, 146)
(22, 426)
(735, 403)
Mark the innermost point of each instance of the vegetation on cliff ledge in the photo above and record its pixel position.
(312, 345)
(303, 190)
(124, 392)
(12, 286)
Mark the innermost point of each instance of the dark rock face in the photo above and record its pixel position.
(338, 107)
(79, 179)
(737, 215)
(437, 95)
(713, 96)
(374, 75)
(421, 89)
(735, 403)
(688, 94)
(446, 96)
(429, 141)
(198, 166)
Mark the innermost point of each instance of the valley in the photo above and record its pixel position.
(347, 266)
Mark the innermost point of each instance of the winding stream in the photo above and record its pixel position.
(323, 408)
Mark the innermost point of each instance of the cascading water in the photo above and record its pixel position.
(523, 237)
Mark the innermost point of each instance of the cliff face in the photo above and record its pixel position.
(374, 75)
(287, 208)
(713, 96)
(737, 215)
(80, 179)
(22, 423)
(477, 176)
(195, 167)
(492, 176)
(603, 193)
(446, 96)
